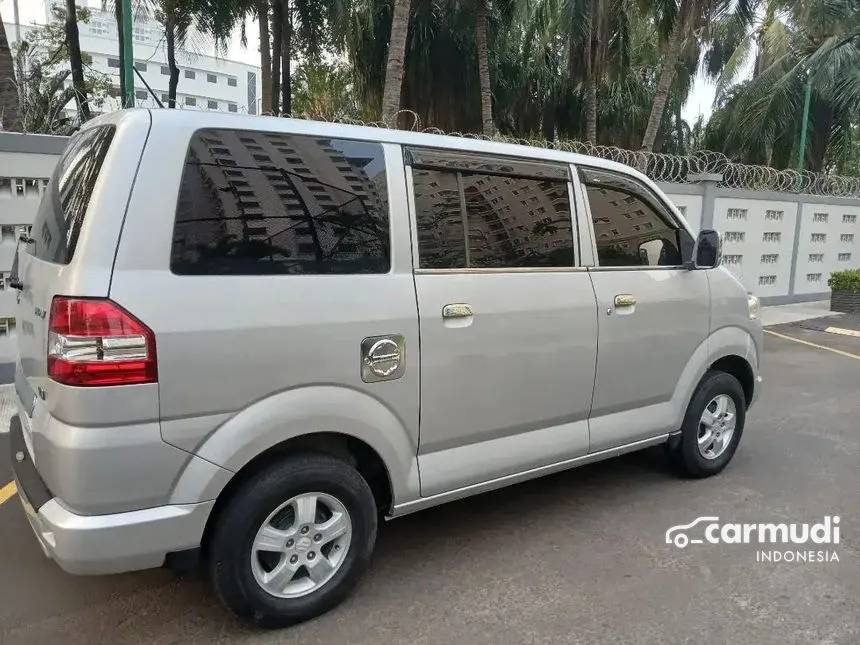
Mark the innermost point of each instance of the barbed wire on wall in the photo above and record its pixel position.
(659, 166)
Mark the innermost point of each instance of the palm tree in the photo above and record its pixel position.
(10, 115)
(683, 21)
(43, 109)
(190, 23)
(324, 91)
(733, 41)
(396, 55)
(277, 51)
(487, 125)
(758, 121)
(76, 62)
(262, 9)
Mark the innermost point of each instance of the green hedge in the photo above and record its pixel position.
(848, 280)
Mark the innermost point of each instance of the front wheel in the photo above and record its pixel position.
(293, 540)
(712, 426)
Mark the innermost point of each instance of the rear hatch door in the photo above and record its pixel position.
(72, 244)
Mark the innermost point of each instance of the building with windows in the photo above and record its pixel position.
(205, 82)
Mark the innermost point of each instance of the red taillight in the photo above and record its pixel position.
(97, 342)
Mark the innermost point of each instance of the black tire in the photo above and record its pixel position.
(686, 456)
(229, 548)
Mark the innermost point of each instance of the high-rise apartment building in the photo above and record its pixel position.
(205, 81)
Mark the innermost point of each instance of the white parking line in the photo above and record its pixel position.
(815, 345)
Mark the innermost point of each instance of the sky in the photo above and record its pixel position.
(700, 100)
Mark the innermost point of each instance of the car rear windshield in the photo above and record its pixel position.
(61, 214)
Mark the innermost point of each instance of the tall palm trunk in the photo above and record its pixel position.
(277, 48)
(117, 12)
(265, 56)
(286, 55)
(667, 75)
(76, 61)
(548, 117)
(591, 110)
(591, 76)
(679, 130)
(173, 82)
(10, 113)
(487, 125)
(396, 56)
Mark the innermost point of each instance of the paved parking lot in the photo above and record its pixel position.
(578, 557)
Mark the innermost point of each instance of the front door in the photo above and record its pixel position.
(508, 324)
(653, 312)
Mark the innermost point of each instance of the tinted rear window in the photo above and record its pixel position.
(257, 203)
(61, 214)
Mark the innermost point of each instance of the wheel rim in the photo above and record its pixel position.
(717, 426)
(301, 545)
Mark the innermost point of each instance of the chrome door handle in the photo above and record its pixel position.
(457, 310)
(624, 300)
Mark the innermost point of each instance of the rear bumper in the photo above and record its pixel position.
(100, 544)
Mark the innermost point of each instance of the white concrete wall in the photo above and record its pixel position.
(767, 230)
(839, 248)
(23, 176)
(690, 206)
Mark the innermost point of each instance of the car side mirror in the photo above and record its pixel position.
(708, 252)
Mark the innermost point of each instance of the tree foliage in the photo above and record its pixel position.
(616, 72)
(46, 90)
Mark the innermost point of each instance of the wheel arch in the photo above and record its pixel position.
(731, 349)
(357, 453)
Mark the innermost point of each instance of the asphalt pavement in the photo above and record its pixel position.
(7, 373)
(578, 557)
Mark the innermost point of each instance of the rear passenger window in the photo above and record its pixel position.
(490, 213)
(630, 226)
(256, 203)
(61, 214)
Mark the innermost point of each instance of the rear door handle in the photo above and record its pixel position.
(624, 300)
(457, 310)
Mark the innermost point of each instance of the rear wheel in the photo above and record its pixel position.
(712, 426)
(293, 540)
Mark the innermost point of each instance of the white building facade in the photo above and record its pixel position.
(205, 82)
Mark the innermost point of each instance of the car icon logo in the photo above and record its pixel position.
(677, 535)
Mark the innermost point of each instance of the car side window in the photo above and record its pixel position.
(484, 212)
(259, 203)
(631, 228)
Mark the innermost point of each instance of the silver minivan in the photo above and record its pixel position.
(245, 340)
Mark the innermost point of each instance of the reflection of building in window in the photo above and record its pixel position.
(503, 230)
(306, 204)
(628, 231)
